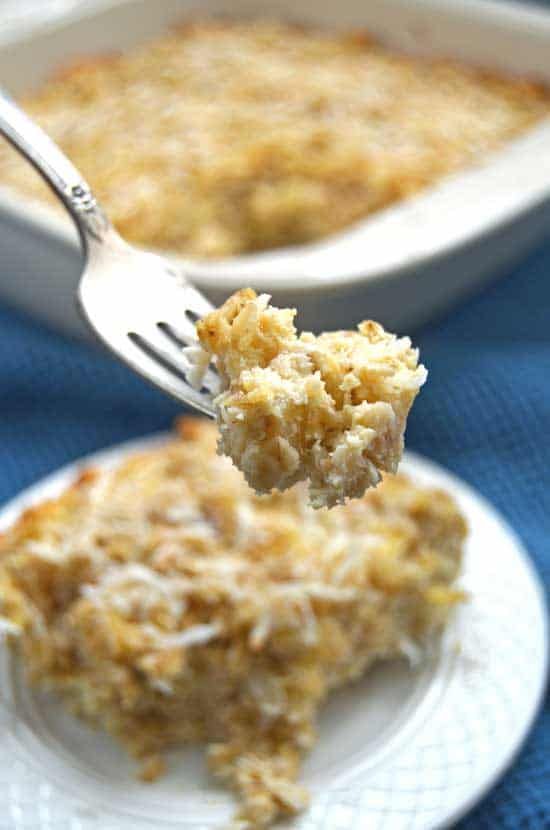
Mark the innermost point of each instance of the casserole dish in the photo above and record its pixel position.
(400, 265)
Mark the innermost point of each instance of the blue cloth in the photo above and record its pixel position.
(483, 415)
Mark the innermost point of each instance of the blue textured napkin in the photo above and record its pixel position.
(485, 414)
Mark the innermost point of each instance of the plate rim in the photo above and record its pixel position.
(483, 789)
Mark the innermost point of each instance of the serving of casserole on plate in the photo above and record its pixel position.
(165, 604)
(168, 605)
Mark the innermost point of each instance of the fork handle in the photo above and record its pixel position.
(56, 169)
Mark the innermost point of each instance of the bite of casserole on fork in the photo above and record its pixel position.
(330, 409)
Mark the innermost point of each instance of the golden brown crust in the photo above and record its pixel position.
(190, 429)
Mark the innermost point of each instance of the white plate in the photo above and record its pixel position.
(404, 748)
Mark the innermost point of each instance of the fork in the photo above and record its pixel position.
(137, 303)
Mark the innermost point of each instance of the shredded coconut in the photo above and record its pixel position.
(412, 651)
(8, 627)
(194, 636)
(198, 361)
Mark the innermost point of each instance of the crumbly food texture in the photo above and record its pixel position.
(167, 604)
(224, 137)
(331, 409)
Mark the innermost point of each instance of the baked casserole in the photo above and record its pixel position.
(226, 137)
(167, 604)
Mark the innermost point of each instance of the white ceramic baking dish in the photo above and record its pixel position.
(400, 266)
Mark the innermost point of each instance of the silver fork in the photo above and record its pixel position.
(137, 303)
